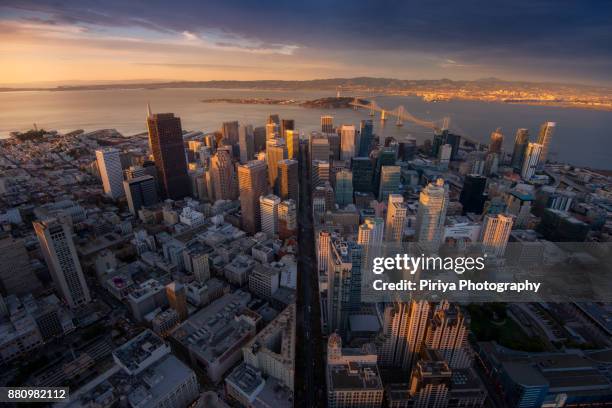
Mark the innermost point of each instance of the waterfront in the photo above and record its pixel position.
(582, 136)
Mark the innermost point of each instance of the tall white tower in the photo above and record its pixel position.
(431, 215)
(109, 164)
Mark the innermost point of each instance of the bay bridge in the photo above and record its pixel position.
(400, 114)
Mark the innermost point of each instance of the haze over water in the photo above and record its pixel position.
(583, 137)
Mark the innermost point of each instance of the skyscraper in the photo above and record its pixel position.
(347, 142)
(320, 173)
(433, 202)
(292, 138)
(396, 218)
(363, 173)
(140, 192)
(327, 124)
(495, 233)
(288, 180)
(390, 177)
(319, 148)
(230, 132)
(272, 131)
(344, 187)
(472, 195)
(323, 243)
(533, 156)
(177, 298)
(286, 124)
(253, 183)
(57, 247)
(223, 175)
(269, 213)
(371, 232)
(430, 382)
(109, 165)
(545, 138)
(344, 283)
(447, 334)
(366, 131)
(276, 150)
(520, 145)
(497, 140)
(287, 219)
(246, 140)
(166, 141)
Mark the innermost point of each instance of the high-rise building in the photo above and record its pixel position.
(269, 213)
(246, 140)
(287, 219)
(533, 156)
(327, 124)
(431, 214)
(343, 283)
(430, 382)
(445, 137)
(319, 148)
(288, 180)
(292, 138)
(223, 175)
(390, 177)
(16, 274)
(447, 334)
(323, 245)
(348, 142)
(140, 192)
(363, 173)
(371, 232)
(444, 156)
(230, 132)
(177, 299)
(366, 131)
(259, 137)
(495, 233)
(273, 119)
(59, 251)
(520, 145)
(408, 149)
(497, 141)
(472, 195)
(166, 141)
(276, 150)
(545, 138)
(109, 165)
(396, 218)
(334, 146)
(387, 156)
(320, 173)
(344, 187)
(272, 131)
(253, 183)
(286, 124)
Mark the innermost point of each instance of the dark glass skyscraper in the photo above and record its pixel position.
(366, 131)
(445, 137)
(363, 173)
(520, 145)
(166, 140)
(472, 195)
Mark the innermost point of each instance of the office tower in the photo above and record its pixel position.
(222, 174)
(253, 183)
(520, 145)
(430, 382)
(288, 180)
(292, 138)
(344, 187)
(371, 232)
(495, 233)
(347, 142)
(319, 148)
(246, 140)
(473, 195)
(287, 219)
(344, 283)
(445, 137)
(166, 141)
(273, 119)
(286, 124)
(491, 165)
(433, 202)
(272, 131)
(135, 171)
(497, 140)
(109, 165)
(447, 334)
(272, 350)
(545, 138)
(276, 150)
(325, 193)
(533, 155)
(363, 173)
(444, 155)
(57, 247)
(269, 213)
(323, 243)
(386, 157)
(396, 218)
(140, 192)
(230, 132)
(327, 124)
(259, 137)
(320, 173)
(16, 274)
(177, 299)
(408, 149)
(390, 177)
(366, 130)
(334, 146)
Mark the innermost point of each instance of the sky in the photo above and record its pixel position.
(55, 42)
